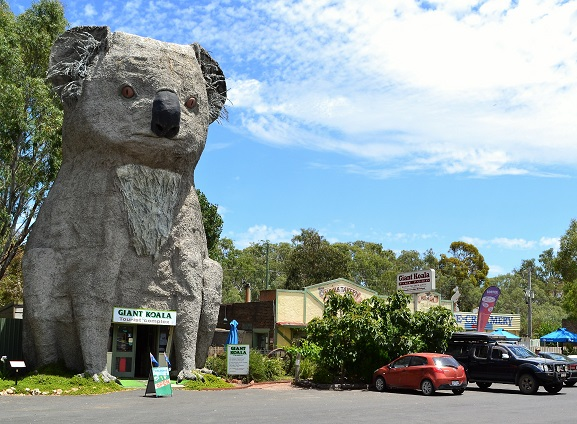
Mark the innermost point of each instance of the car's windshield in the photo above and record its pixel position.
(556, 356)
(522, 352)
(446, 361)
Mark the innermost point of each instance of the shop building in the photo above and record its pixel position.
(280, 316)
(276, 320)
(135, 334)
(508, 322)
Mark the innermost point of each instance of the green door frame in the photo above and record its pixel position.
(124, 350)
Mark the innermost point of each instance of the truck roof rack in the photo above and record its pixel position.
(476, 336)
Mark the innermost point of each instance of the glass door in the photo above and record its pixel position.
(123, 350)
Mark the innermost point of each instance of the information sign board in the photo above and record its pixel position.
(237, 359)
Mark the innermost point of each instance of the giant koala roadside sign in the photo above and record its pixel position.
(122, 224)
(416, 281)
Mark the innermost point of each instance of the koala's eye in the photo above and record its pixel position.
(190, 103)
(127, 92)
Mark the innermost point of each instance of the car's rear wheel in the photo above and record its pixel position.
(483, 385)
(380, 384)
(554, 388)
(458, 391)
(427, 387)
(528, 385)
(570, 383)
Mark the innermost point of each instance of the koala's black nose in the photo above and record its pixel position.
(165, 114)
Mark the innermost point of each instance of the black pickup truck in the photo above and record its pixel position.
(490, 359)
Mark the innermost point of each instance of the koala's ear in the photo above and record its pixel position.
(215, 83)
(71, 56)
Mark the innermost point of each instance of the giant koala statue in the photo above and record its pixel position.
(122, 224)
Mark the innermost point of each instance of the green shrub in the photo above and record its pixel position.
(274, 368)
(307, 368)
(260, 367)
(210, 382)
(322, 375)
(217, 364)
(257, 367)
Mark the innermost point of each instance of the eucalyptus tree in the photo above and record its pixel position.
(566, 265)
(314, 260)
(465, 268)
(566, 262)
(235, 270)
(410, 260)
(547, 273)
(11, 285)
(371, 266)
(30, 119)
(212, 222)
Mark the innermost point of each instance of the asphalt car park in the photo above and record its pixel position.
(290, 404)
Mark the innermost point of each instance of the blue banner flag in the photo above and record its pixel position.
(167, 361)
(153, 360)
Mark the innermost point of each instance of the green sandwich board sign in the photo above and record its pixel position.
(162, 381)
(158, 379)
(159, 382)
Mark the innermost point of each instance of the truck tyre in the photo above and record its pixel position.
(528, 385)
(554, 388)
(483, 385)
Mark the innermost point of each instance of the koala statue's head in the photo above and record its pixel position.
(135, 98)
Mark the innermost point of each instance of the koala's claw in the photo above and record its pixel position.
(98, 377)
(190, 375)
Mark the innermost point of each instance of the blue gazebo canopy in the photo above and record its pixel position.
(561, 335)
(506, 334)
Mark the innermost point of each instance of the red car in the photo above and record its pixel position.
(427, 372)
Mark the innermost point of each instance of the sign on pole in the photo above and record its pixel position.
(237, 359)
(416, 281)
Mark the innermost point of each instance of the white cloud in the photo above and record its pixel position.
(89, 11)
(517, 243)
(458, 87)
(260, 233)
(549, 242)
(495, 270)
(501, 242)
(513, 243)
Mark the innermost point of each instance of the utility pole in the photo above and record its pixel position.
(529, 296)
(267, 270)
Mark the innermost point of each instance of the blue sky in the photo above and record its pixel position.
(408, 123)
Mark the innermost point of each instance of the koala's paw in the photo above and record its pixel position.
(208, 371)
(100, 377)
(189, 375)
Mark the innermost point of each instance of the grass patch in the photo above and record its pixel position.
(56, 380)
(210, 382)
